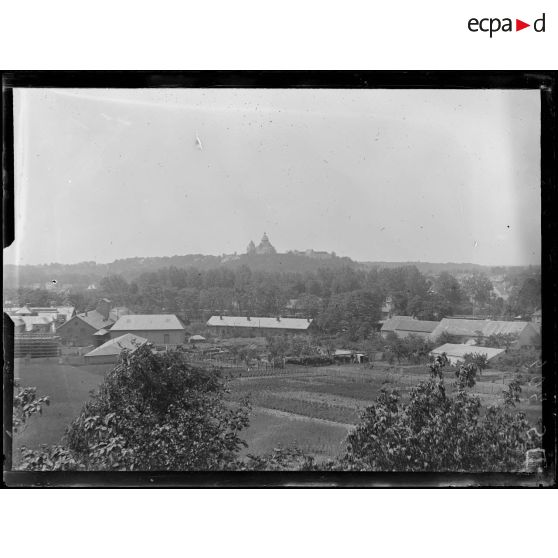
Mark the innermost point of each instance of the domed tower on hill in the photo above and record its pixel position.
(265, 247)
(251, 248)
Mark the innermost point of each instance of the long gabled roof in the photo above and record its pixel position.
(406, 323)
(460, 350)
(66, 310)
(147, 322)
(300, 324)
(483, 328)
(500, 327)
(128, 341)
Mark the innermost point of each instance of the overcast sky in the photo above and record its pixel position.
(390, 175)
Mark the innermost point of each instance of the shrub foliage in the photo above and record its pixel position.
(153, 412)
(441, 428)
(157, 412)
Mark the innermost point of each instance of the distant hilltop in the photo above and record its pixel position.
(265, 248)
(263, 257)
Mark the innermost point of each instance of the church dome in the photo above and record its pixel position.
(265, 246)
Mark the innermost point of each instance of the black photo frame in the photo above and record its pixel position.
(543, 81)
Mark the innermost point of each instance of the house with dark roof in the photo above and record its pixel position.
(403, 326)
(159, 329)
(79, 331)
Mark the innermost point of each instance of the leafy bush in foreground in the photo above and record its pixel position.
(153, 412)
(440, 431)
(25, 405)
(157, 412)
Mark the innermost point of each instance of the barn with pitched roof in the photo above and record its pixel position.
(159, 329)
(79, 330)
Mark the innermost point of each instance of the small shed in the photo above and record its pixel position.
(101, 336)
(196, 339)
(348, 355)
(109, 352)
(343, 355)
(456, 351)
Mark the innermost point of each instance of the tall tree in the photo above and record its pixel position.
(479, 288)
(114, 286)
(449, 288)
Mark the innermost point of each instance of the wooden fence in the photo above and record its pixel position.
(36, 345)
(261, 369)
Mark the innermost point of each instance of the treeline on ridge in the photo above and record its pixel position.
(342, 299)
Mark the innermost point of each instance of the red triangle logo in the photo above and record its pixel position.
(519, 25)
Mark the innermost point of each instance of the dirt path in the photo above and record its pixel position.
(295, 416)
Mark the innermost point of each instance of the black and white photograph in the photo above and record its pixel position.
(276, 279)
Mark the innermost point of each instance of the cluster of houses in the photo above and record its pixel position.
(465, 330)
(106, 330)
(466, 333)
(35, 319)
(35, 328)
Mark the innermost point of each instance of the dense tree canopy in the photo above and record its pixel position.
(342, 298)
(478, 287)
(449, 288)
(525, 295)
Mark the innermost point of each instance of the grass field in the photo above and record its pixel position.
(312, 409)
(334, 396)
(270, 429)
(68, 387)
